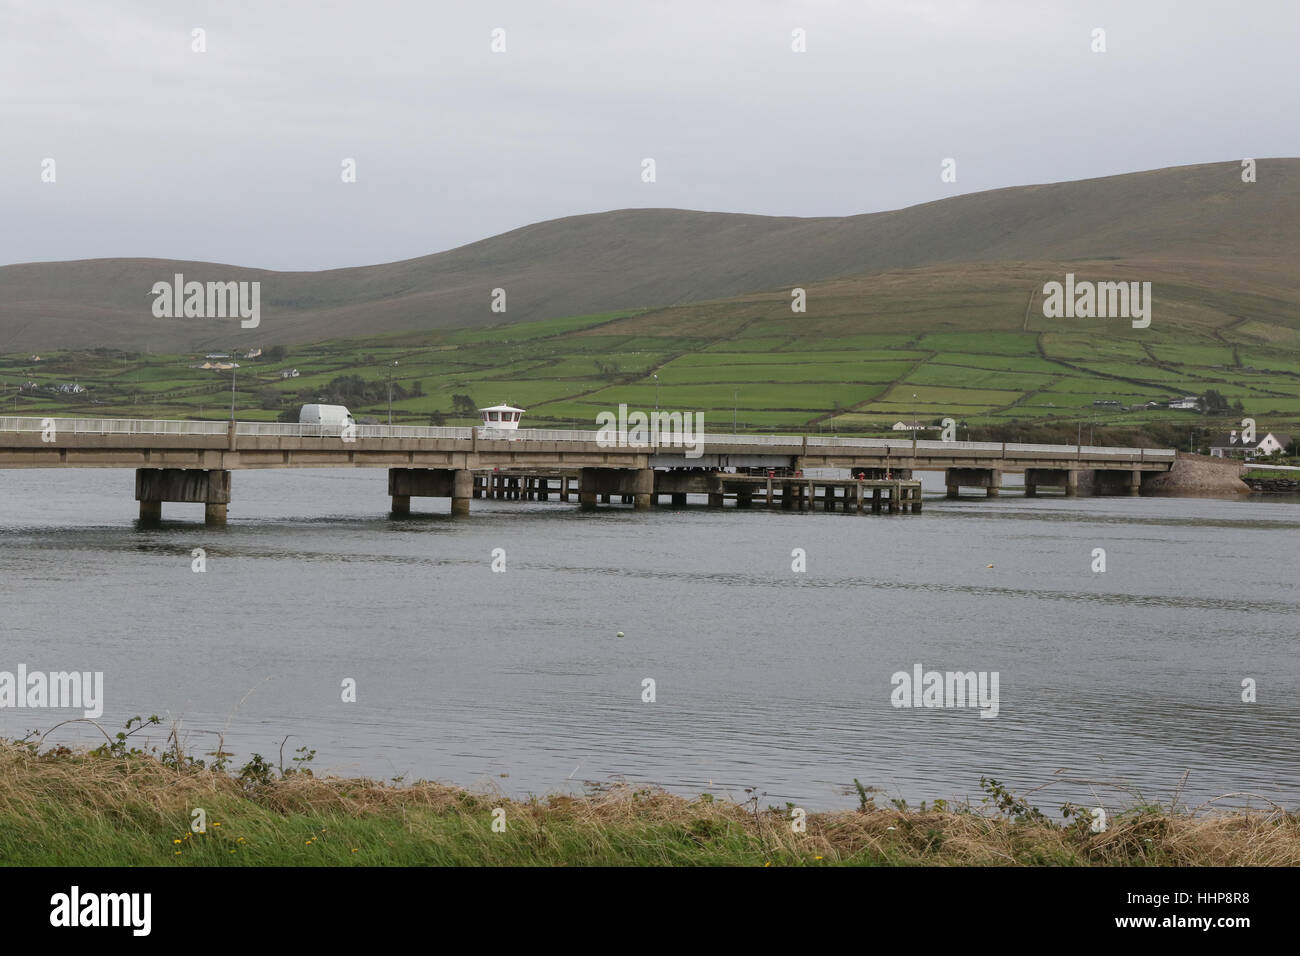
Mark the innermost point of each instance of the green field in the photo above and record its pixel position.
(769, 371)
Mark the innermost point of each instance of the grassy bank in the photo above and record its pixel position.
(65, 807)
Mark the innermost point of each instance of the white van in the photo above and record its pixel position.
(332, 418)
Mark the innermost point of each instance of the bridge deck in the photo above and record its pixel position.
(139, 443)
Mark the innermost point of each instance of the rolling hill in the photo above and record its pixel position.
(1225, 250)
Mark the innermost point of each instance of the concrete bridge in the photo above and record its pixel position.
(191, 461)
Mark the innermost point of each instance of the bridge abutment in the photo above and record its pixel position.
(208, 487)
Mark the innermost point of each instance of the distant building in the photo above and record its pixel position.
(69, 388)
(1107, 403)
(34, 358)
(217, 355)
(1231, 445)
(288, 373)
(253, 353)
(1187, 401)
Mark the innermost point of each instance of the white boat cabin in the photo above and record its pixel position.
(503, 417)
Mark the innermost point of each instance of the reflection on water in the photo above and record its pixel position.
(1111, 684)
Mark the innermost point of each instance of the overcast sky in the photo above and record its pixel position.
(234, 155)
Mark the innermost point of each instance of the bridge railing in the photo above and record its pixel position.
(300, 430)
(723, 439)
(136, 426)
(111, 426)
(537, 434)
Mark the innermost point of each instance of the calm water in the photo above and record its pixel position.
(765, 678)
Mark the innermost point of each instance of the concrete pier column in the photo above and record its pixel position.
(1031, 489)
(745, 498)
(715, 499)
(954, 491)
(787, 496)
(1135, 483)
(1072, 483)
(643, 486)
(875, 500)
(401, 504)
(543, 489)
(587, 489)
(462, 486)
(209, 487)
(995, 483)
(916, 500)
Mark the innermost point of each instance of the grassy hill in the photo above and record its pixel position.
(927, 312)
(1199, 222)
(966, 342)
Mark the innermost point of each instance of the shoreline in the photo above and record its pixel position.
(118, 806)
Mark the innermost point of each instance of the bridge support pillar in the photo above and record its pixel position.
(990, 479)
(462, 489)
(1072, 483)
(407, 483)
(587, 485)
(211, 488)
(1135, 483)
(643, 486)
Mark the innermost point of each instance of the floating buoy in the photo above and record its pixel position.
(619, 634)
(988, 565)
